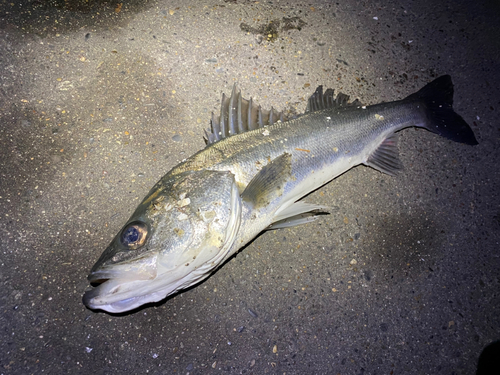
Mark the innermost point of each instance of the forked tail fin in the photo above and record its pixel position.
(437, 96)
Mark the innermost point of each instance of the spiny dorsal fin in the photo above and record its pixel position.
(238, 115)
(320, 100)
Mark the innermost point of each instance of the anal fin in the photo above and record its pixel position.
(386, 157)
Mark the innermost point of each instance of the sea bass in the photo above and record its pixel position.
(250, 177)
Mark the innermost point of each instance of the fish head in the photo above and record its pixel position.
(181, 231)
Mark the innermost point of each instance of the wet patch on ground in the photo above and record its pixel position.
(271, 30)
(61, 16)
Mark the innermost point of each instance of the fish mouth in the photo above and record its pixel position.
(118, 292)
(113, 295)
(115, 287)
(118, 295)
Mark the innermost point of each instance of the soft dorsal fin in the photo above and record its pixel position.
(326, 100)
(238, 115)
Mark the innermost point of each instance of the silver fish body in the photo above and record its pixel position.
(251, 177)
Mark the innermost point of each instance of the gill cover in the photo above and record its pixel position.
(181, 231)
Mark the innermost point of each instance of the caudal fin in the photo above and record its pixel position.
(437, 97)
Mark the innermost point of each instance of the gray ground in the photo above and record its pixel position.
(98, 100)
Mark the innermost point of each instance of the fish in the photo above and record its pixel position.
(250, 178)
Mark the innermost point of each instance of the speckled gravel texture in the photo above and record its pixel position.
(99, 99)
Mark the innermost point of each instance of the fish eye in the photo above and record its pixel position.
(134, 235)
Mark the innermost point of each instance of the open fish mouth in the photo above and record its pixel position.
(115, 287)
(121, 295)
(119, 288)
(115, 295)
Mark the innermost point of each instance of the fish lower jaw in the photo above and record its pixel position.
(117, 296)
(121, 295)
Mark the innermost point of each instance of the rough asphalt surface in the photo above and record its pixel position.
(99, 99)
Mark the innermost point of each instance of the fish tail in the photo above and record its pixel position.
(437, 97)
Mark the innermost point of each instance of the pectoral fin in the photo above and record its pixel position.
(269, 183)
